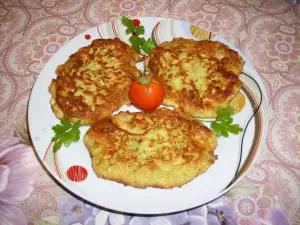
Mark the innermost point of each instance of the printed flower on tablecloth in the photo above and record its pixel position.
(206, 22)
(273, 217)
(283, 47)
(215, 18)
(128, 8)
(248, 208)
(75, 211)
(18, 169)
(47, 47)
(218, 212)
(174, 219)
(103, 217)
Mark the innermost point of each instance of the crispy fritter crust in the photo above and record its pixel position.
(199, 76)
(160, 148)
(94, 81)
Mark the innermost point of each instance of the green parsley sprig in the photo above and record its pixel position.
(223, 124)
(65, 133)
(131, 28)
(138, 43)
(142, 44)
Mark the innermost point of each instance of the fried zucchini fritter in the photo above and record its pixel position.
(94, 81)
(199, 76)
(160, 148)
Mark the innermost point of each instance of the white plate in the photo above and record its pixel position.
(235, 154)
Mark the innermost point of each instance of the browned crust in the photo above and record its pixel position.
(66, 104)
(228, 58)
(110, 162)
(224, 63)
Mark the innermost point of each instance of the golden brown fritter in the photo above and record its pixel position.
(199, 76)
(160, 148)
(94, 81)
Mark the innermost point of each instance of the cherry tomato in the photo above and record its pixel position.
(136, 22)
(133, 34)
(147, 93)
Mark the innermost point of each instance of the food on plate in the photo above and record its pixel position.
(147, 92)
(223, 124)
(94, 81)
(159, 148)
(65, 134)
(135, 28)
(199, 76)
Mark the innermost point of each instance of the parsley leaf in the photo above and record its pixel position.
(65, 134)
(138, 43)
(57, 145)
(148, 45)
(129, 24)
(222, 125)
(139, 30)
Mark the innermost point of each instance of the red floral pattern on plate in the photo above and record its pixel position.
(77, 173)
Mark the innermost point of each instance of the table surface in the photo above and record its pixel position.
(266, 31)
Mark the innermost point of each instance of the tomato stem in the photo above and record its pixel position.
(146, 78)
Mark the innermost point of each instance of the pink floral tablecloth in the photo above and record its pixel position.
(266, 31)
